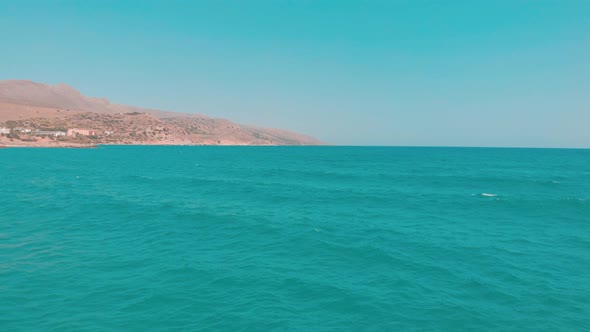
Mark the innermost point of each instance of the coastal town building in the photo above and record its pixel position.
(4, 131)
(53, 133)
(81, 132)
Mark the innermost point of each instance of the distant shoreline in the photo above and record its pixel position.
(91, 146)
(94, 146)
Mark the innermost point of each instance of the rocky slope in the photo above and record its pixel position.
(27, 108)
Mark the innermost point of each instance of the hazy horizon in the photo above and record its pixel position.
(378, 73)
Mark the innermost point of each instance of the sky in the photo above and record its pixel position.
(434, 73)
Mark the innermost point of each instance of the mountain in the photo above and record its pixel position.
(36, 107)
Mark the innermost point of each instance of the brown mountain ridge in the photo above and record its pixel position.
(37, 114)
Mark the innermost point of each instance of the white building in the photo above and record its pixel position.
(53, 133)
(4, 131)
(22, 130)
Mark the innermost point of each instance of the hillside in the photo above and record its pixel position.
(44, 115)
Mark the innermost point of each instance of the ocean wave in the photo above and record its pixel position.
(321, 239)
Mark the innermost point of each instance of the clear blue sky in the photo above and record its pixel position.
(495, 73)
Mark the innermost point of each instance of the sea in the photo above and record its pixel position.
(201, 238)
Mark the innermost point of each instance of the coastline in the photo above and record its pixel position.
(97, 145)
(33, 146)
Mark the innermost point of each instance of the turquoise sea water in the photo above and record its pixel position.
(294, 239)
